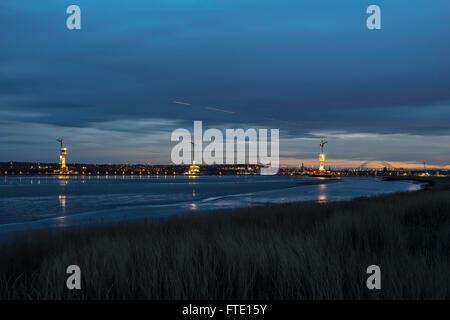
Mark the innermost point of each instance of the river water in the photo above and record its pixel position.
(52, 201)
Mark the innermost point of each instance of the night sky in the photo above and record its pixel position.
(310, 68)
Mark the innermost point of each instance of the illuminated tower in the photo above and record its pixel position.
(194, 169)
(62, 155)
(322, 155)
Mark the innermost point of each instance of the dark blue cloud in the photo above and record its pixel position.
(301, 66)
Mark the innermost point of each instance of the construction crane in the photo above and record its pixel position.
(62, 155)
(322, 144)
(322, 155)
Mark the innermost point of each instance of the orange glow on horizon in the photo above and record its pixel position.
(346, 163)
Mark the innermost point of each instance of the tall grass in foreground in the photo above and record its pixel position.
(292, 251)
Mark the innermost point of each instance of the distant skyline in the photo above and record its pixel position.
(137, 70)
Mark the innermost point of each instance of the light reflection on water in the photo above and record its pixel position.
(62, 202)
(322, 192)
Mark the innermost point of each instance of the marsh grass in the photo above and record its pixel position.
(292, 251)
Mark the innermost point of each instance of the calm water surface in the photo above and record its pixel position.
(33, 202)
